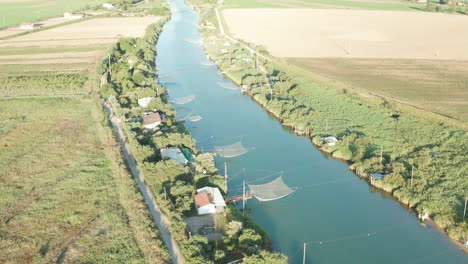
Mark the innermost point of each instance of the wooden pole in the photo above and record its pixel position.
(464, 211)
(304, 256)
(165, 194)
(256, 61)
(109, 62)
(412, 174)
(381, 154)
(225, 177)
(243, 197)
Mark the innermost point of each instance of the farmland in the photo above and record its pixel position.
(14, 12)
(385, 58)
(348, 33)
(348, 4)
(66, 193)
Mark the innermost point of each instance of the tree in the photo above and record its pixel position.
(266, 257)
(250, 241)
(233, 228)
(430, 6)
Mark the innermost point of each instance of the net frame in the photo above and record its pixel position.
(270, 191)
(230, 151)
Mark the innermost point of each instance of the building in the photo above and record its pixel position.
(151, 120)
(209, 200)
(330, 141)
(28, 25)
(108, 6)
(144, 102)
(421, 1)
(174, 154)
(68, 15)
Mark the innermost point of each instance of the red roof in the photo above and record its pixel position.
(202, 199)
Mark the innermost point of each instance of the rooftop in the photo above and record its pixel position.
(151, 118)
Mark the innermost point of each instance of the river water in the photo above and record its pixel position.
(339, 217)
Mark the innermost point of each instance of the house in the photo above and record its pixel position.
(108, 6)
(209, 200)
(375, 176)
(174, 154)
(330, 141)
(68, 15)
(27, 25)
(144, 102)
(151, 120)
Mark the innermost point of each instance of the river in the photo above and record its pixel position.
(339, 216)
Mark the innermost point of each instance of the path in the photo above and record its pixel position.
(252, 51)
(161, 221)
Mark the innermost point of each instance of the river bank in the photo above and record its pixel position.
(170, 184)
(395, 163)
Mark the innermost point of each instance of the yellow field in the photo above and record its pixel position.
(319, 33)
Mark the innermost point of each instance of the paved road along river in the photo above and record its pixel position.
(340, 217)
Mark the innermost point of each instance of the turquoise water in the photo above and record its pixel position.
(340, 217)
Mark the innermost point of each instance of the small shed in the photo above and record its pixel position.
(108, 6)
(330, 141)
(375, 176)
(28, 25)
(68, 15)
(209, 200)
(174, 154)
(151, 120)
(423, 216)
(144, 102)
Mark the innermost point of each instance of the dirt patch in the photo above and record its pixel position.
(316, 33)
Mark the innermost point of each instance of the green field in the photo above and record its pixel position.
(348, 4)
(14, 12)
(436, 86)
(65, 193)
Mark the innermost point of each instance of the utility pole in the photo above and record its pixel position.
(381, 154)
(326, 126)
(304, 256)
(225, 177)
(412, 174)
(243, 197)
(256, 60)
(109, 63)
(190, 136)
(165, 194)
(464, 211)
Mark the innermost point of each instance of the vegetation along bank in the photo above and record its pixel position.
(422, 163)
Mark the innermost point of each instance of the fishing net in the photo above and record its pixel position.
(230, 151)
(194, 41)
(228, 85)
(194, 118)
(184, 100)
(207, 63)
(273, 190)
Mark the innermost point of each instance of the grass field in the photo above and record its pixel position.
(65, 194)
(13, 12)
(348, 4)
(437, 86)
